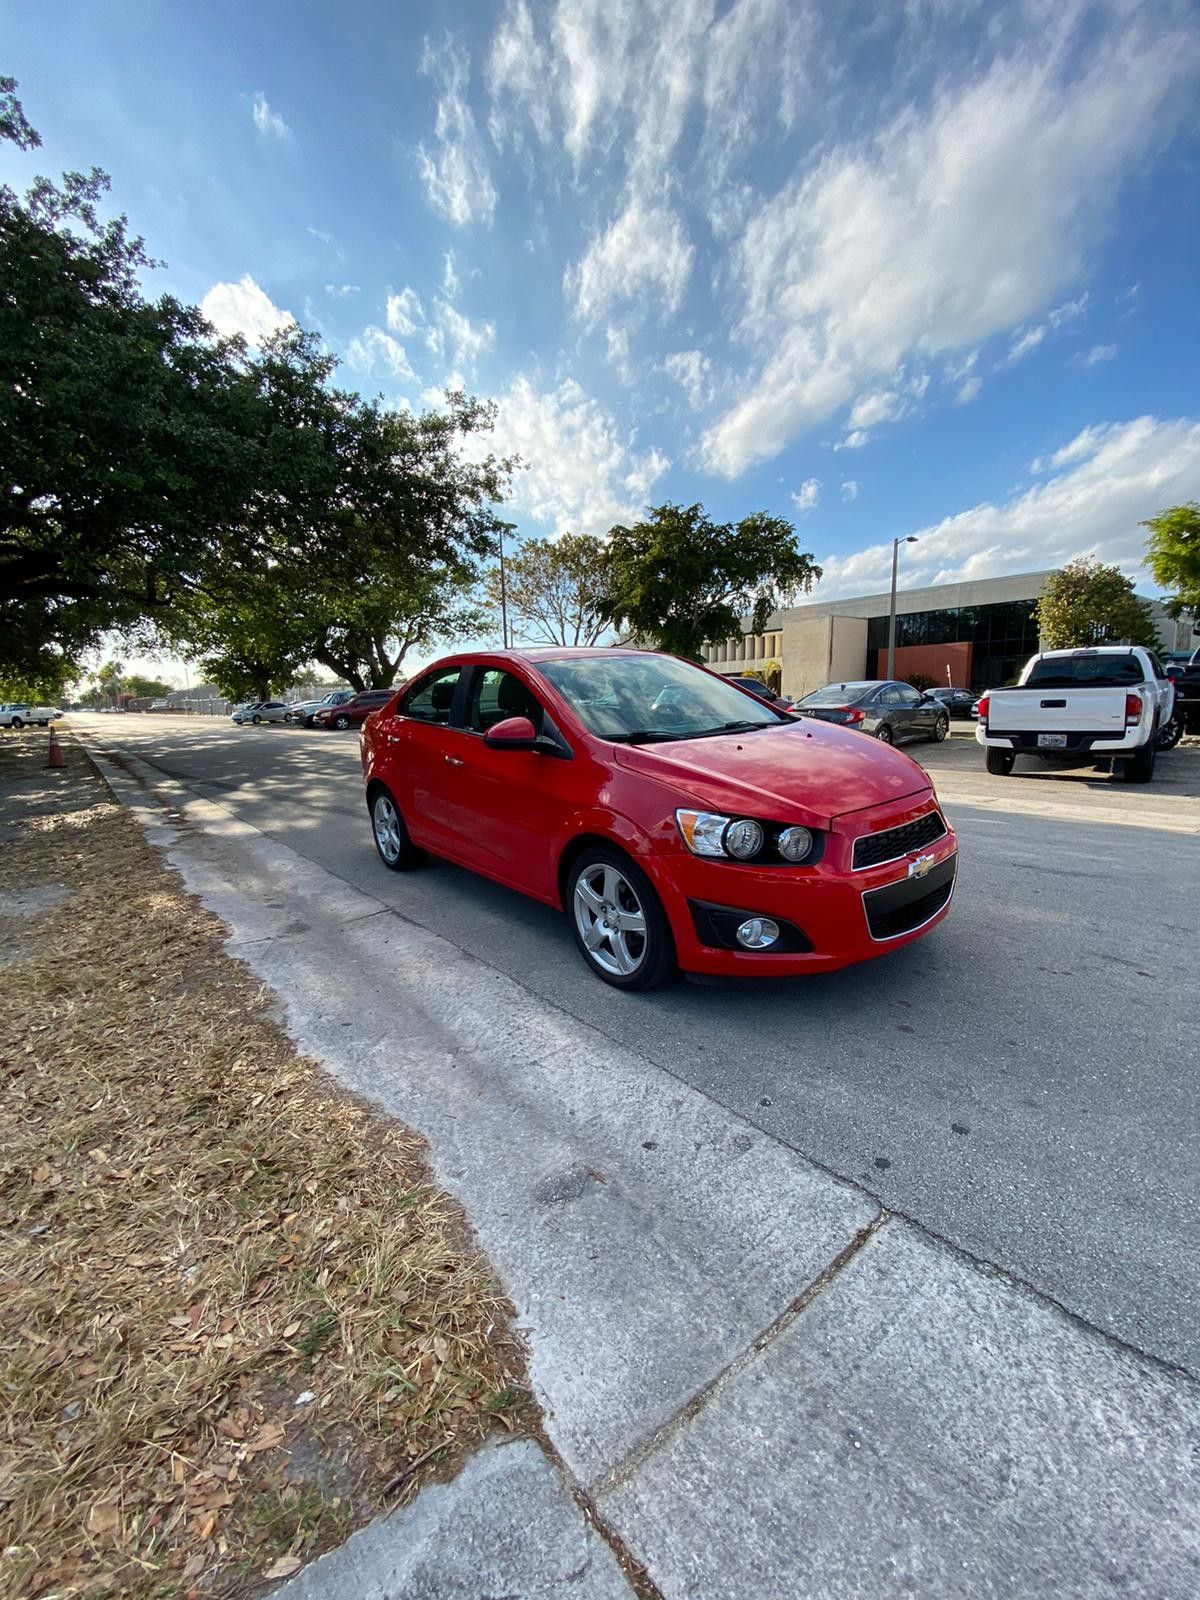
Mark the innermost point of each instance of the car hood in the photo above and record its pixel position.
(809, 772)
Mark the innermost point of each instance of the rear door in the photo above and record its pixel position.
(423, 760)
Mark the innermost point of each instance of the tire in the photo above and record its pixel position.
(884, 732)
(1001, 762)
(940, 729)
(392, 842)
(1171, 732)
(341, 723)
(256, 719)
(287, 716)
(17, 723)
(642, 954)
(1139, 767)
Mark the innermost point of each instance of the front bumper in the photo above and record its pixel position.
(831, 916)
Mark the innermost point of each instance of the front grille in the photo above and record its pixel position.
(892, 843)
(900, 907)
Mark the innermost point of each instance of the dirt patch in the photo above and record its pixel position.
(237, 1318)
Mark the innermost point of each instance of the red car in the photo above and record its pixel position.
(679, 821)
(352, 713)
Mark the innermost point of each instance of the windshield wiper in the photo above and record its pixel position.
(734, 727)
(645, 736)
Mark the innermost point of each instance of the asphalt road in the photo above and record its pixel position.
(1023, 1082)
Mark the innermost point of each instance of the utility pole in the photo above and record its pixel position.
(509, 527)
(891, 650)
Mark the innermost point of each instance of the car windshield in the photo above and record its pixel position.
(836, 694)
(1085, 672)
(644, 698)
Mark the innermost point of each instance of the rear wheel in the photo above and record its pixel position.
(396, 849)
(940, 729)
(884, 732)
(1139, 767)
(1000, 762)
(341, 722)
(618, 920)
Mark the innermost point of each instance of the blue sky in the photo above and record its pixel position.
(884, 268)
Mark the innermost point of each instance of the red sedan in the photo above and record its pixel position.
(678, 820)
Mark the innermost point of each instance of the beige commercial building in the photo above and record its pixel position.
(972, 635)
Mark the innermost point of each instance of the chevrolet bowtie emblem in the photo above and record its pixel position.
(919, 867)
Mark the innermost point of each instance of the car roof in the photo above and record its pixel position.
(536, 654)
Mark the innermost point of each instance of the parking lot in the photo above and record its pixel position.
(1021, 1083)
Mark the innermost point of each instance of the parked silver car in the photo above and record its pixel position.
(262, 711)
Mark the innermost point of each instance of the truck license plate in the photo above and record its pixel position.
(1052, 741)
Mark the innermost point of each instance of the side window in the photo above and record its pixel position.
(890, 696)
(909, 697)
(1156, 664)
(430, 699)
(497, 695)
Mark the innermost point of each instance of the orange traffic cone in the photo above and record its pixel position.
(56, 755)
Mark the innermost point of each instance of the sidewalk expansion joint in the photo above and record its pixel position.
(647, 1446)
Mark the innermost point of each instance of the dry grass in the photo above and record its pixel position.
(235, 1318)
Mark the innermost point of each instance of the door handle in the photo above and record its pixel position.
(453, 761)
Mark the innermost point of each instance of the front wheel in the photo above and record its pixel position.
(1139, 767)
(940, 729)
(341, 723)
(287, 716)
(256, 719)
(1171, 732)
(17, 723)
(884, 732)
(618, 921)
(1000, 762)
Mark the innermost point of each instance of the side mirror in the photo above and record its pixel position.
(514, 733)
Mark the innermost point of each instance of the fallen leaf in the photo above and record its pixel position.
(283, 1568)
(103, 1519)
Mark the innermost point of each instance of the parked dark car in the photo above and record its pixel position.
(885, 709)
(757, 687)
(1186, 715)
(958, 702)
(355, 711)
(306, 710)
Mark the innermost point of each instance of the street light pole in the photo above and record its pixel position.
(503, 587)
(891, 650)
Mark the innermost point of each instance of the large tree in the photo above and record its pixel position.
(1087, 602)
(1173, 555)
(555, 589)
(685, 581)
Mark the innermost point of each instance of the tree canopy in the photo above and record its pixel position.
(1173, 555)
(1087, 602)
(685, 581)
(555, 590)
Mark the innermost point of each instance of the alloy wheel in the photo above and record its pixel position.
(387, 828)
(884, 732)
(610, 919)
(940, 729)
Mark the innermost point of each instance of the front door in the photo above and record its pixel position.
(424, 762)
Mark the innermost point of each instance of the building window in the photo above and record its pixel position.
(1003, 637)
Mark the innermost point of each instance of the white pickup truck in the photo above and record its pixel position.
(17, 714)
(1108, 700)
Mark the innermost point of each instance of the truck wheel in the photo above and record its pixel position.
(1139, 767)
(17, 724)
(1170, 735)
(1001, 762)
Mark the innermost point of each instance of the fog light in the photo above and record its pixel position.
(758, 933)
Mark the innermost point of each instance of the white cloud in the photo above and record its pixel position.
(455, 173)
(968, 391)
(581, 475)
(692, 371)
(870, 409)
(341, 291)
(376, 351)
(468, 340)
(1068, 311)
(644, 255)
(404, 312)
(1114, 472)
(854, 440)
(266, 120)
(1099, 353)
(1026, 340)
(931, 237)
(616, 342)
(807, 496)
(850, 489)
(518, 73)
(244, 308)
(436, 393)
(451, 287)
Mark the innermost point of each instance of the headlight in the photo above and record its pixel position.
(722, 838)
(794, 844)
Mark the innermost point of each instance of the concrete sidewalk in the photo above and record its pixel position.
(763, 1384)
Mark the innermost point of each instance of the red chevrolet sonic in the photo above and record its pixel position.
(679, 821)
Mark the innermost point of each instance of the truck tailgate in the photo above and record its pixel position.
(1044, 710)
